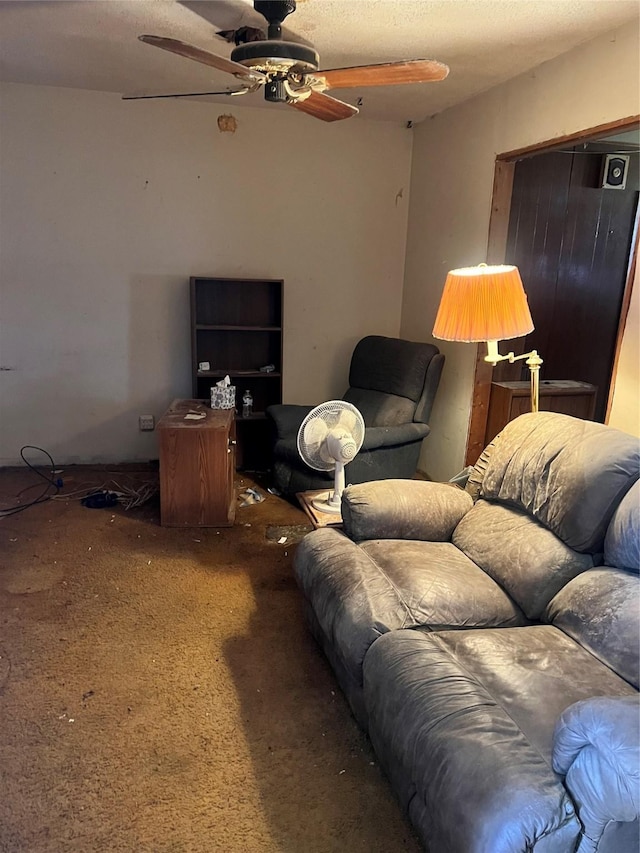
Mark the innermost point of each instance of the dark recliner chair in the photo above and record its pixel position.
(393, 384)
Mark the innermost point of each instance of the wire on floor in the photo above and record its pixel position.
(111, 492)
(51, 480)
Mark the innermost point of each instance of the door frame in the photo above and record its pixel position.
(496, 249)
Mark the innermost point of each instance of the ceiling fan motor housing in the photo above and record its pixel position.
(277, 55)
(274, 57)
(277, 59)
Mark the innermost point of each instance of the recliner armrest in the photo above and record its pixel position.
(403, 509)
(597, 748)
(287, 418)
(393, 435)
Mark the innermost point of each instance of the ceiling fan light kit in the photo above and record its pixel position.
(289, 72)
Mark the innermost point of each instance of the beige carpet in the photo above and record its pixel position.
(159, 690)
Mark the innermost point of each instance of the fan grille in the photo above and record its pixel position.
(313, 432)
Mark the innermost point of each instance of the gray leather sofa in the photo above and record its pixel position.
(488, 639)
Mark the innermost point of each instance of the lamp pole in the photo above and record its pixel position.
(533, 362)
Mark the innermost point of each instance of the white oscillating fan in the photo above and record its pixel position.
(329, 438)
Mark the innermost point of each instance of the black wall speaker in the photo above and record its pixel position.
(615, 168)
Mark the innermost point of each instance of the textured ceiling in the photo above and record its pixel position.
(92, 44)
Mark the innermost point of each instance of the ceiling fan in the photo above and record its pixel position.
(288, 71)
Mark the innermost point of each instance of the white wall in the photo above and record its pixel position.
(107, 207)
(451, 187)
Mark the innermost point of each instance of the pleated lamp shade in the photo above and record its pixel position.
(483, 303)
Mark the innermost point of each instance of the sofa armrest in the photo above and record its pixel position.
(403, 509)
(287, 418)
(393, 436)
(596, 746)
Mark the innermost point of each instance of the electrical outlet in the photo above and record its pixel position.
(146, 422)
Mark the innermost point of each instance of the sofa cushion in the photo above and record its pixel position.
(568, 473)
(391, 365)
(359, 592)
(403, 509)
(622, 542)
(600, 611)
(379, 409)
(525, 558)
(441, 586)
(463, 721)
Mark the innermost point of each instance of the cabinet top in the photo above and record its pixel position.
(177, 416)
(566, 385)
(197, 278)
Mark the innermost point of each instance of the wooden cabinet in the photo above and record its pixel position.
(196, 465)
(236, 328)
(510, 399)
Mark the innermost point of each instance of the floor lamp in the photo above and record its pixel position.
(488, 303)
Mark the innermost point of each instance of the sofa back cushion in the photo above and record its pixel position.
(601, 611)
(392, 381)
(391, 365)
(622, 542)
(528, 561)
(568, 474)
(381, 410)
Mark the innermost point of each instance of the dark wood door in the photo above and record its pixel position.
(571, 240)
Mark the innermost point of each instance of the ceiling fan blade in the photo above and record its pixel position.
(189, 51)
(385, 74)
(183, 95)
(325, 107)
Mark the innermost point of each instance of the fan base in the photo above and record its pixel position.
(323, 503)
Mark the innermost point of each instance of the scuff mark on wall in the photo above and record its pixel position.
(399, 195)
